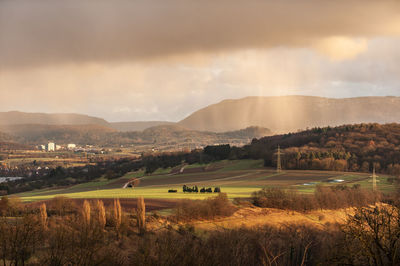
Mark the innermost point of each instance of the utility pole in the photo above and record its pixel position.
(374, 176)
(278, 161)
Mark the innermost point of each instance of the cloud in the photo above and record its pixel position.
(172, 90)
(341, 48)
(48, 32)
(163, 59)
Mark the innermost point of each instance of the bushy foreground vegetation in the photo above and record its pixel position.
(210, 208)
(91, 234)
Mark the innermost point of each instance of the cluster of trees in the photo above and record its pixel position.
(332, 197)
(213, 207)
(195, 189)
(64, 176)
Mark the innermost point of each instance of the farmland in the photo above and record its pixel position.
(236, 178)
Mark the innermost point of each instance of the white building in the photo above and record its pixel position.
(51, 146)
(71, 146)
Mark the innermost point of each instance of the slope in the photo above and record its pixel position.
(290, 113)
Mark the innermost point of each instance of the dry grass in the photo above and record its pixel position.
(250, 217)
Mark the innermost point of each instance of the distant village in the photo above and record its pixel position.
(52, 146)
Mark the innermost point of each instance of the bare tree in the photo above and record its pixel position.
(117, 212)
(43, 216)
(375, 232)
(141, 215)
(101, 214)
(86, 212)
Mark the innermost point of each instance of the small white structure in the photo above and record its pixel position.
(51, 146)
(42, 147)
(71, 146)
(58, 147)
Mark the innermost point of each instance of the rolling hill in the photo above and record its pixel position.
(21, 118)
(137, 125)
(62, 119)
(158, 136)
(174, 135)
(40, 134)
(291, 113)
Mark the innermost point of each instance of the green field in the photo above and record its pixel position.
(146, 192)
(236, 178)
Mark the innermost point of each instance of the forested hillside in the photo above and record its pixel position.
(39, 134)
(343, 148)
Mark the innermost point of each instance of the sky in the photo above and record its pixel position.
(138, 60)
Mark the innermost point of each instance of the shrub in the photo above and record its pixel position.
(210, 208)
(283, 199)
(336, 197)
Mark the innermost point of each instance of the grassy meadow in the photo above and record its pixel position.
(236, 178)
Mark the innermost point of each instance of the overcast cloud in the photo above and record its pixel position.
(162, 60)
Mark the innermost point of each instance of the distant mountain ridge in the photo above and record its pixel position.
(280, 114)
(67, 119)
(291, 113)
